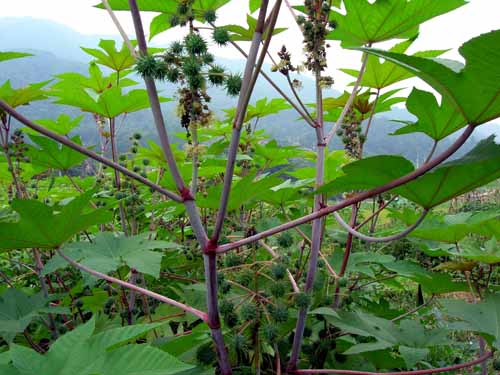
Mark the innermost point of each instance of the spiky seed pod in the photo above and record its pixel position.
(226, 306)
(196, 82)
(307, 331)
(216, 75)
(279, 313)
(195, 44)
(319, 282)
(210, 16)
(245, 278)
(239, 342)
(270, 333)
(232, 260)
(278, 289)
(150, 67)
(248, 311)
(303, 300)
(172, 75)
(231, 319)
(205, 354)
(285, 240)
(176, 48)
(207, 58)
(496, 364)
(342, 282)
(182, 9)
(221, 36)
(233, 84)
(279, 271)
(191, 67)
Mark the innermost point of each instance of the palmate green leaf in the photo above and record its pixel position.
(47, 227)
(18, 310)
(483, 317)
(450, 228)
(240, 33)
(475, 169)
(51, 154)
(110, 104)
(4, 55)
(369, 173)
(107, 252)
(96, 81)
(473, 88)
(23, 95)
(436, 121)
(262, 108)
(108, 55)
(366, 23)
(409, 333)
(431, 282)
(488, 253)
(83, 353)
(379, 75)
(253, 5)
(247, 190)
(63, 125)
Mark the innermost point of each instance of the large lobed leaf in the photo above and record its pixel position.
(47, 227)
(17, 311)
(473, 89)
(84, 353)
(475, 169)
(436, 121)
(483, 317)
(368, 23)
(409, 334)
(379, 75)
(107, 252)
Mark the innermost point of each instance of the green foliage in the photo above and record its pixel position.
(437, 121)
(5, 56)
(483, 317)
(368, 23)
(470, 88)
(379, 75)
(24, 95)
(84, 352)
(408, 334)
(50, 154)
(108, 55)
(47, 227)
(18, 310)
(108, 252)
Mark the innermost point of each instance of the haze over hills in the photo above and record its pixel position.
(56, 50)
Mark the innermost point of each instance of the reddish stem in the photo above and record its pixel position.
(440, 370)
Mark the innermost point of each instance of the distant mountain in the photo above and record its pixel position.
(56, 50)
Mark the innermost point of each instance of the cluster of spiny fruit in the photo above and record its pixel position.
(189, 64)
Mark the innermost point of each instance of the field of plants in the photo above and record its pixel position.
(231, 252)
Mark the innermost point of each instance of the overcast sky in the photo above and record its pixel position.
(444, 32)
